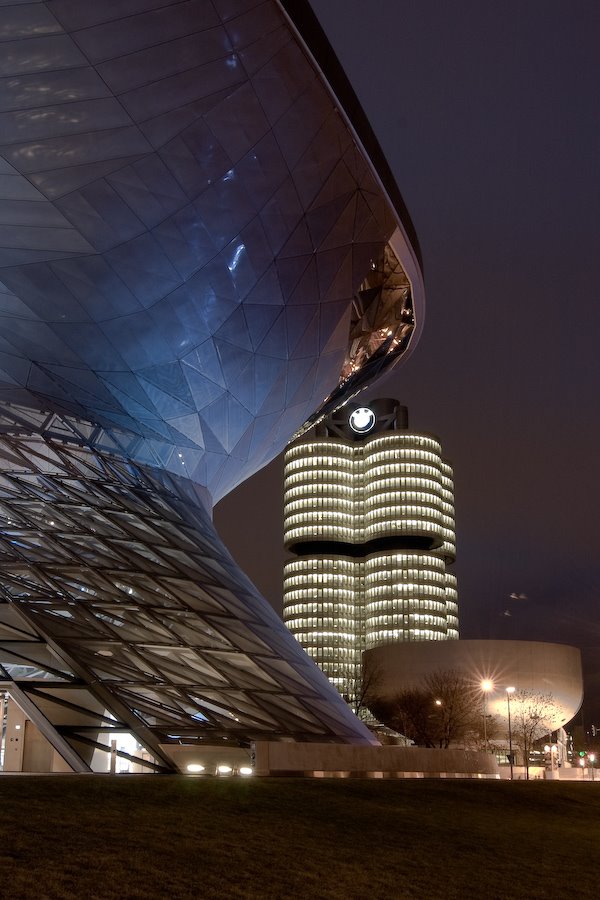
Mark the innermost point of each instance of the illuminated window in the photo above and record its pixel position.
(387, 487)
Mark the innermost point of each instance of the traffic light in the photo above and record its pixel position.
(582, 752)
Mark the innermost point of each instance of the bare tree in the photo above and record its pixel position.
(407, 712)
(532, 716)
(365, 687)
(443, 711)
(480, 736)
(457, 704)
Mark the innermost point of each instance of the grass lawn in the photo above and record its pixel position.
(104, 837)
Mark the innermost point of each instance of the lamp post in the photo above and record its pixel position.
(486, 686)
(509, 691)
(592, 760)
(439, 722)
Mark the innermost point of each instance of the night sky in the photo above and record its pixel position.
(489, 117)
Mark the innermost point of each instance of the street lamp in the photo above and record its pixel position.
(592, 760)
(486, 687)
(509, 691)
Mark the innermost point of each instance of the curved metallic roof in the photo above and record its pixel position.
(191, 243)
(185, 219)
(308, 26)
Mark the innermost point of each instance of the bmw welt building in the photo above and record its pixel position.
(202, 253)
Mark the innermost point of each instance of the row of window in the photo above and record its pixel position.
(344, 521)
(432, 583)
(389, 443)
(349, 628)
(331, 489)
(392, 481)
(343, 610)
(448, 526)
(346, 592)
(318, 463)
(436, 604)
(403, 526)
(320, 630)
(326, 625)
(395, 586)
(329, 563)
(395, 594)
(393, 513)
(400, 456)
(364, 468)
(403, 483)
(405, 605)
(358, 513)
(294, 530)
(372, 519)
(320, 501)
(404, 561)
(392, 440)
(323, 595)
(417, 620)
(408, 564)
(424, 575)
(347, 656)
(309, 449)
(397, 470)
(319, 528)
(421, 498)
(329, 664)
(342, 479)
(338, 580)
(391, 635)
(365, 507)
(335, 516)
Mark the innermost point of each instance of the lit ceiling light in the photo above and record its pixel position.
(245, 770)
(224, 770)
(195, 767)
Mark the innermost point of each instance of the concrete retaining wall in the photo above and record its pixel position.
(283, 758)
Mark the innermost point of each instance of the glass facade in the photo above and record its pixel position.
(201, 241)
(370, 521)
(121, 611)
